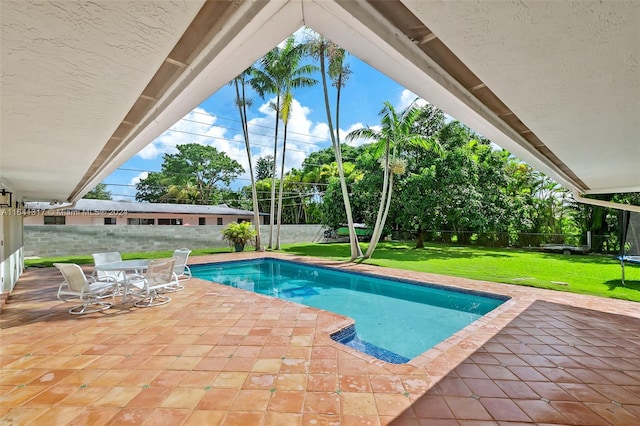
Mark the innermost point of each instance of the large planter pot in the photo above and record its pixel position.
(239, 246)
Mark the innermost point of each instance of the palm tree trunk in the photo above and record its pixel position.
(273, 177)
(375, 238)
(356, 252)
(254, 192)
(383, 202)
(284, 149)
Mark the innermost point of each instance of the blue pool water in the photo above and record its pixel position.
(395, 320)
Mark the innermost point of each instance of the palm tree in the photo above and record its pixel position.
(242, 102)
(395, 135)
(185, 192)
(279, 73)
(323, 49)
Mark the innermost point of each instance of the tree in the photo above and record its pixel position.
(264, 167)
(272, 77)
(98, 193)
(152, 188)
(323, 49)
(396, 134)
(296, 76)
(192, 175)
(240, 83)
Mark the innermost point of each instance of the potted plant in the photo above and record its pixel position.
(239, 234)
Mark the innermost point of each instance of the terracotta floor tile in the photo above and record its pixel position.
(453, 386)
(498, 372)
(528, 374)
(151, 397)
(286, 402)
(393, 405)
(614, 414)
(588, 376)
(317, 419)
(259, 381)
(504, 409)
(22, 415)
(167, 416)
(244, 418)
(205, 417)
(358, 403)
(111, 378)
(219, 355)
(466, 408)
(59, 415)
(616, 393)
(578, 413)
(551, 391)
(84, 396)
(432, 407)
(51, 396)
(356, 420)
(131, 416)
(267, 365)
(386, 384)
(280, 419)
(291, 381)
(322, 382)
(484, 388)
(322, 403)
(118, 397)
(251, 400)
(354, 383)
(217, 399)
(541, 412)
(94, 416)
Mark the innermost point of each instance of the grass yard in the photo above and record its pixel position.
(587, 274)
(590, 274)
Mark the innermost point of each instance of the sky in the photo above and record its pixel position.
(216, 122)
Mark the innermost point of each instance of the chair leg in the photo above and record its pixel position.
(90, 307)
(153, 299)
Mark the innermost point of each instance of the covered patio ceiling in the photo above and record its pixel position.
(85, 86)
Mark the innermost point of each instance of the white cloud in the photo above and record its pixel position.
(197, 126)
(359, 141)
(299, 37)
(136, 180)
(303, 135)
(407, 97)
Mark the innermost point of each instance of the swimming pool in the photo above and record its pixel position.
(395, 320)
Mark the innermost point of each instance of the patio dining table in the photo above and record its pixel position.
(135, 266)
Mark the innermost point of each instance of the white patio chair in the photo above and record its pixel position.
(181, 269)
(158, 278)
(108, 257)
(89, 291)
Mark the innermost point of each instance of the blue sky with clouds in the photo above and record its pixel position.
(216, 122)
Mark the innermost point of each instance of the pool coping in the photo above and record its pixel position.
(350, 322)
(442, 358)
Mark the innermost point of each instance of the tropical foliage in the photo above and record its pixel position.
(416, 175)
(193, 175)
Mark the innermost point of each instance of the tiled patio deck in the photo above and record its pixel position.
(219, 355)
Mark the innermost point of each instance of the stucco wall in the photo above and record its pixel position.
(11, 252)
(62, 240)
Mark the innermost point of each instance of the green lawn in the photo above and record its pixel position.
(591, 274)
(587, 274)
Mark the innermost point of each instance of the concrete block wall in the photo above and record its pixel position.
(63, 240)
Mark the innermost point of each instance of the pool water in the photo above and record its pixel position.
(395, 320)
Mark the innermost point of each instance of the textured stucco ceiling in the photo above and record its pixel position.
(73, 73)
